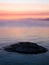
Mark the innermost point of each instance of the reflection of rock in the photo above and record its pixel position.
(26, 48)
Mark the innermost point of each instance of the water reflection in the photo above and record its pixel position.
(24, 34)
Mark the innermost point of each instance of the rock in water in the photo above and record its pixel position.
(26, 48)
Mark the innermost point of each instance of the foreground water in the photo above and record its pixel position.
(9, 35)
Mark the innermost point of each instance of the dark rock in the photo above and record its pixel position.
(26, 48)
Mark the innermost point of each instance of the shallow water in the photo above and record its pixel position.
(9, 35)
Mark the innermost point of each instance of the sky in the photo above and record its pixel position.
(19, 9)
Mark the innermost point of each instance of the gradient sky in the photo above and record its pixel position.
(17, 9)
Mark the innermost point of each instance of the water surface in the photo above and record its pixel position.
(11, 35)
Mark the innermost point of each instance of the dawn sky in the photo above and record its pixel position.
(17, 9)
(25, 1)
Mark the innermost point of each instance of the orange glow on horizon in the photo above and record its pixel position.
(10, 11)
(7, 16)
(21, 17)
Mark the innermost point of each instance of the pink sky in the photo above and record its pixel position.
(24, 9)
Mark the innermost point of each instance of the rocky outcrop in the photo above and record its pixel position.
(26, 48)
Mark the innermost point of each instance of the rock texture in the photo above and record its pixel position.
(26, 48)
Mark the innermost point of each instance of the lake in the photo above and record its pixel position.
(12, 35)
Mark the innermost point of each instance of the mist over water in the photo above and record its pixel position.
(32, 34)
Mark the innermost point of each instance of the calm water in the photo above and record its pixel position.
(9, 35)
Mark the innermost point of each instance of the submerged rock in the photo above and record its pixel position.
(26, 48)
